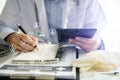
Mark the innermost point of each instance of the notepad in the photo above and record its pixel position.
(46, 53)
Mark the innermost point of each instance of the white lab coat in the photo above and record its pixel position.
(88, 14)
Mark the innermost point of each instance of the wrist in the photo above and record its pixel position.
(102, 46)
(8, 36)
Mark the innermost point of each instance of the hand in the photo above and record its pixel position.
(88, 44)
(22, 42)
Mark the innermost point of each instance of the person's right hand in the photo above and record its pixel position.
(22, 42)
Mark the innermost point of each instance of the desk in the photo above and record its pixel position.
(94, 75)
(99, 76)
(8, 58)
(5, 58)
(90, 75)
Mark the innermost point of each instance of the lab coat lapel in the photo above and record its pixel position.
(42, 17)
(66, 11)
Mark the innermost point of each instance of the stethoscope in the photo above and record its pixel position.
(52, 31)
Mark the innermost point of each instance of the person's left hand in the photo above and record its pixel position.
(88, 44)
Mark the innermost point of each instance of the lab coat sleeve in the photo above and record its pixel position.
(4, 30)
(95, 17)
(9, 18)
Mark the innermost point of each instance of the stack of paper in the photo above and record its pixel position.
(44, 54)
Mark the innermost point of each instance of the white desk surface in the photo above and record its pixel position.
(93, 75)
(8, 58)
(90, 75)
(5, 58)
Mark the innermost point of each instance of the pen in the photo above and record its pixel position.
(20, 27)
(110, 73)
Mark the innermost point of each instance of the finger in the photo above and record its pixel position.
(26, 46)
(85, 40)
(16, 47)
(21, 45)
(74, 41)
(84, 46)
(23, 42)
(20, 49)
(12, 47)
(35, 40)
(87, 47)
(27, 39)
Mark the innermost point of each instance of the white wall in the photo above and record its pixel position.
(2, 2)
(112, 34)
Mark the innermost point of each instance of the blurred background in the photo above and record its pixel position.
(111, 34)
